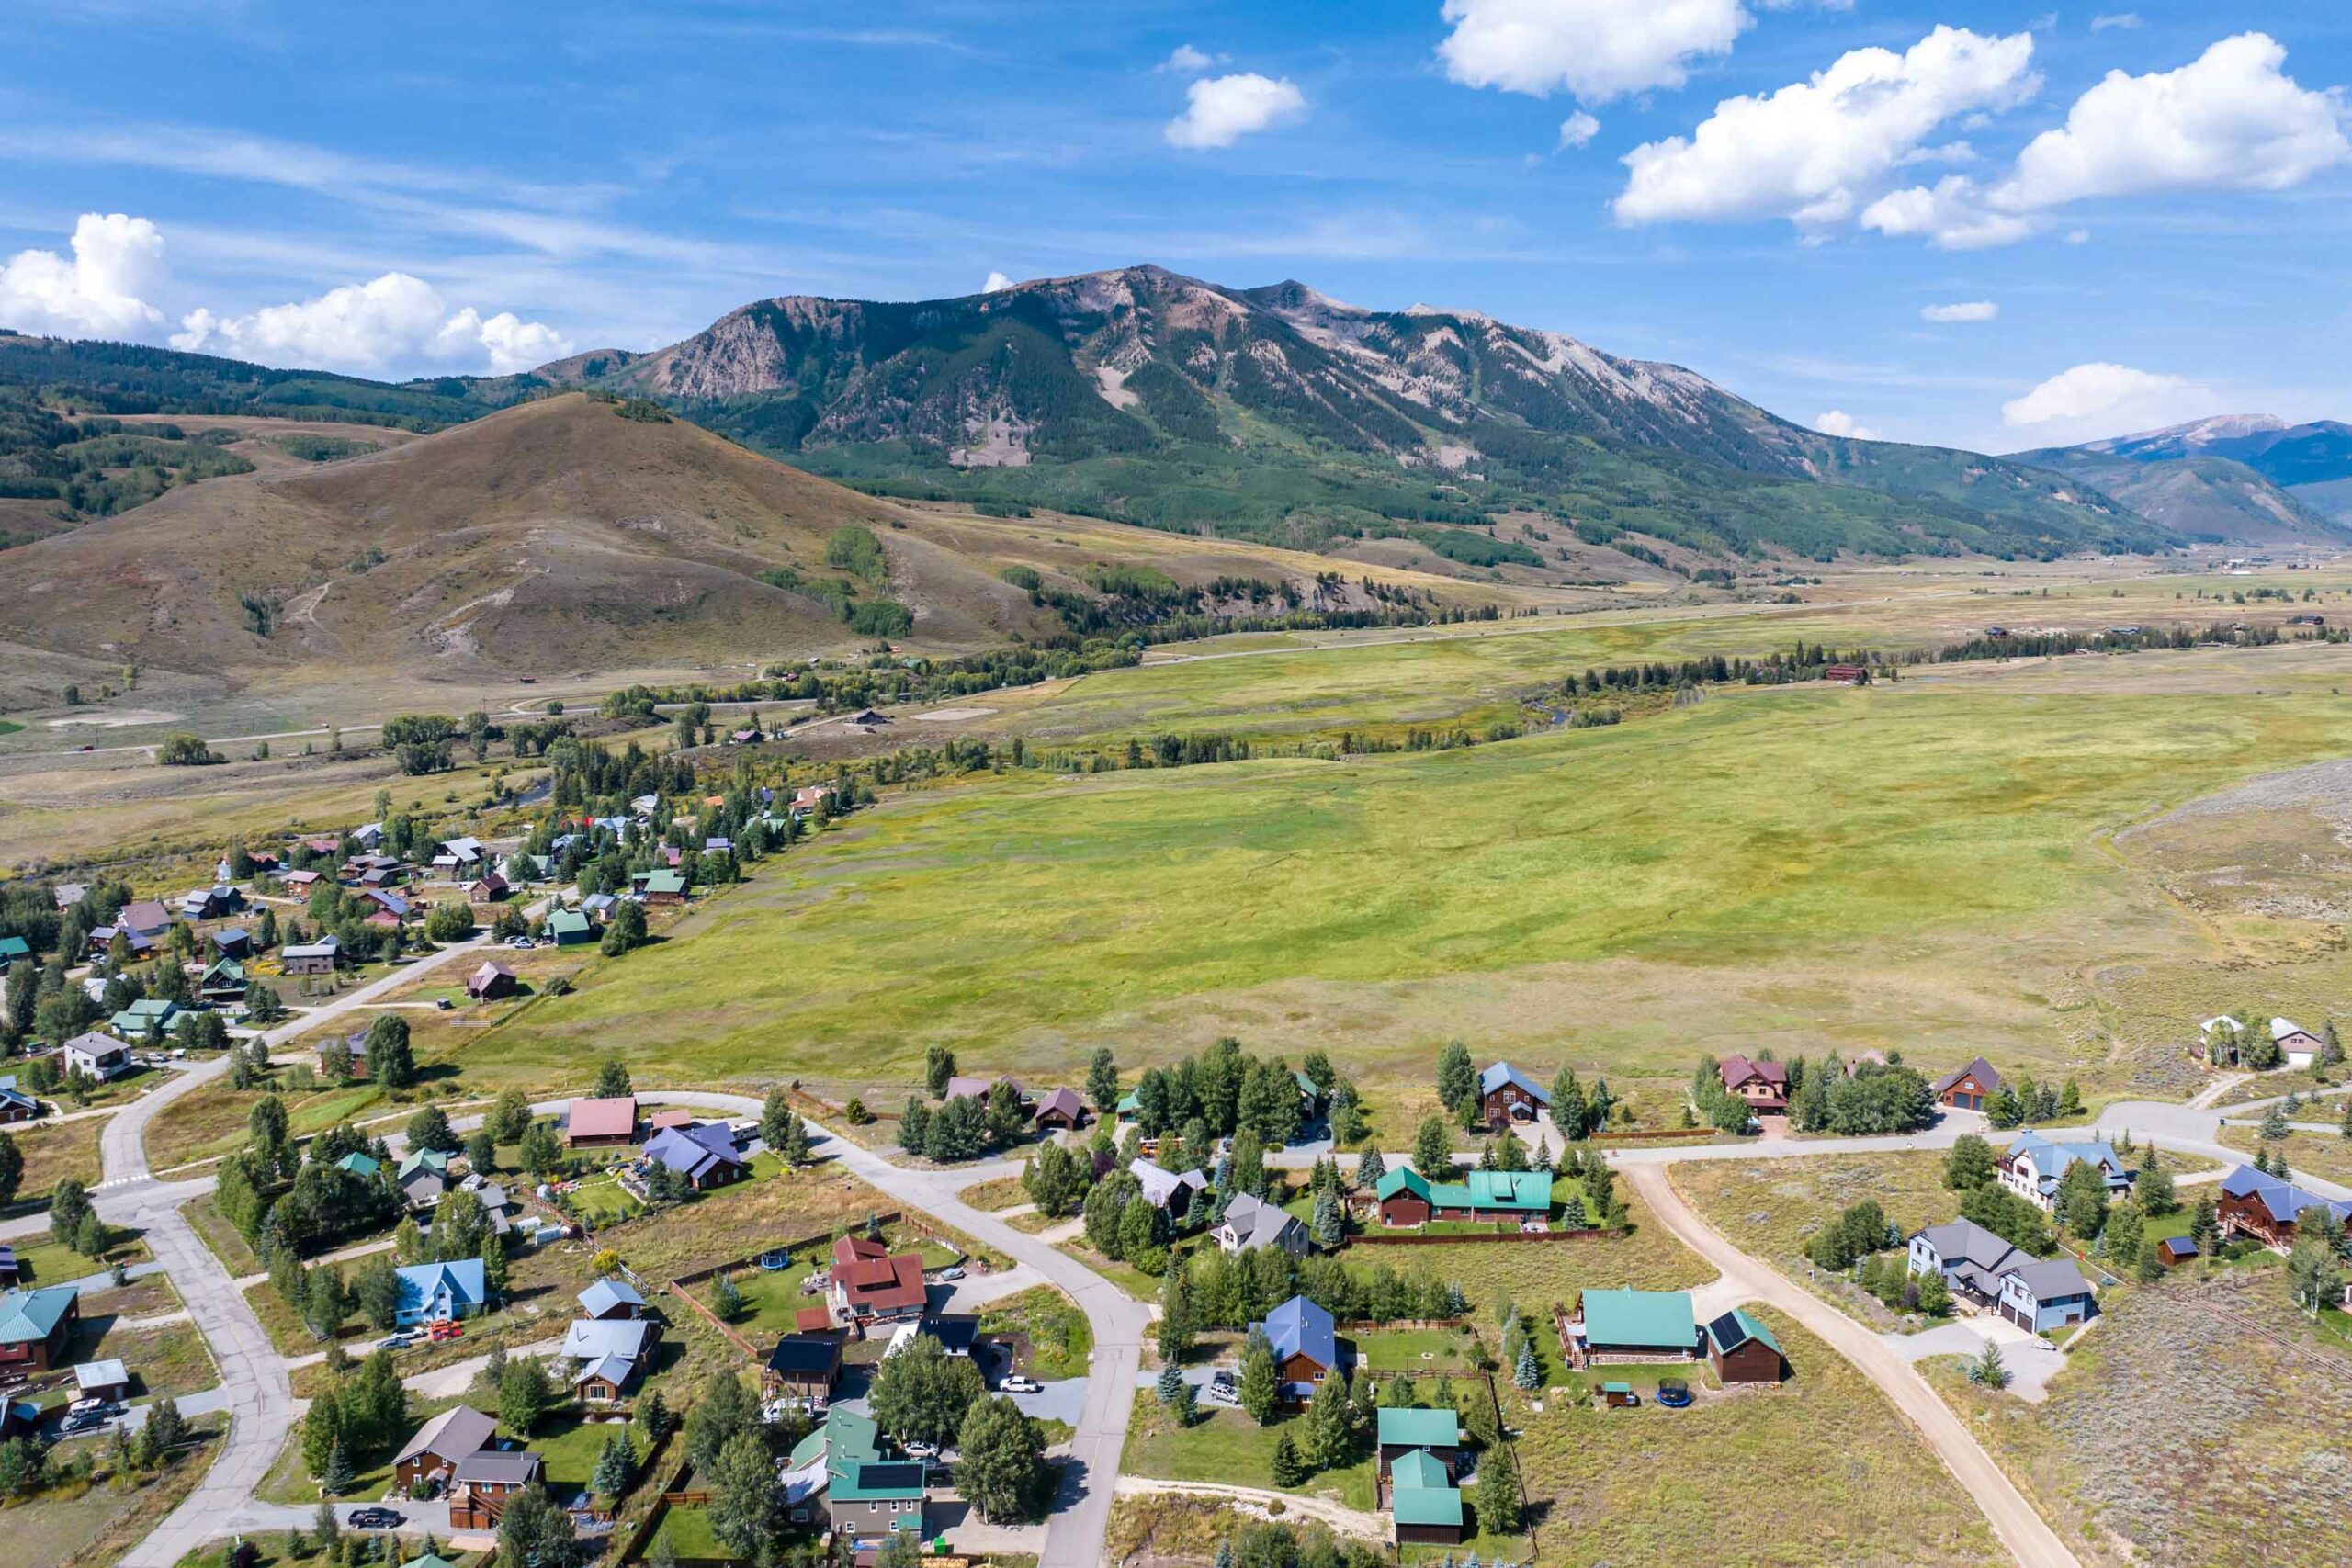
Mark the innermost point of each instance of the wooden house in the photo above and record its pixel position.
(1743, 1349)
(1764, 1086)
(432, 1454)
(1968, 1089)
(1507, 1095)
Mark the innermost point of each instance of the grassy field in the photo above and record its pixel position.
(81, 1524)
(1923, 869)
(2324, 1155)
(55, 1152)
(1058, 1337)
(212, 1120)
(1848, 1481)
(1768, 1209)
(46, 1262)
(2202, 1422)
(1226, 1446)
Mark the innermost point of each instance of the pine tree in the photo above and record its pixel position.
(1498, 1491)
(1527, 1374)
(1327, 1425)
(1169, 1382)
(339, 1475)
(1259, 1387)
(1371, 1168)
(1286, 1469)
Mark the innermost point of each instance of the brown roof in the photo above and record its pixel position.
(883, 1284)
(675, 1116)
(455, 1433)
(1980, 1069)
(810, 1319)
(1738, 1069)
(1064, 1100)
(603, 1118)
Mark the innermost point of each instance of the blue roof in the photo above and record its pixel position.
(690, 1151)
(419, 1281)
(1501, 1073)
(2283, 1198)
(26, 1316)
(608, 1293)
(2052, 1158)
(1300, 1327)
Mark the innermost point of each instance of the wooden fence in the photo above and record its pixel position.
(822, 1238)
(1649, 1135)
(749, 1350)
(1383, 1238)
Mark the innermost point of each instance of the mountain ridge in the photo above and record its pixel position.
(2238, 479)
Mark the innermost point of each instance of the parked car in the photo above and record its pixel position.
(86, 1407)
(1673, 1393)
(921, 1449)
(1020, 1382)
(374, 1520)
(1220, 1390)
(394, 1342)
(952, 1272)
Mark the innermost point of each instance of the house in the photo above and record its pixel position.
(1063, 1110)
(302, 881)
(1408, 1198)
(223, 984)
(97, 1056)
(1744, 1350)
(17, 1106)
(1306, 1347)
(491, 981)
(1637, 1326)
(458, 854)
(610, 1300)
(1437, 1433)
(354, 1050)
(440, 1293)
(432, 1453)
(210, 903)
(232, 942)
(704, 1154)
(108, 1380)
(979, 1089)
(803, 1366)
(1763, 1085)
(956, 1332)
(1169, 1191)
(102, 939)
(423, 1178)
(570, 928)
(35, 1325)
(483, 1481)
(2298, 1046)
(367, 835)
(387, 902)
(662, 887)
(1970, 1259)
(1855, 1063)
(838, 1474)
(1252, 1223)
(1507, 1095)
(150, 1017)
(360, 1165)
(147, 918)
(12, 948)
(600, 1124)
(607, 1355)
(811, 797)
(69, 893)
(1424, 1504)
(2271, 1210)
(870, 1281)
(1844, 674)
(1968, 1089)
(321, 957)
(2033, 1165)
(2045, 1294)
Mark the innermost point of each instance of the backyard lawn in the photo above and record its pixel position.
(1417, 1350)
(1226, 1446)
(46, 1262)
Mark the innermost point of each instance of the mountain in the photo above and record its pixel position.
(1147, 397)
(2239, 479)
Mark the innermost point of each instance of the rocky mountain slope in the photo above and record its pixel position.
(2238, 479)
(1152, 397)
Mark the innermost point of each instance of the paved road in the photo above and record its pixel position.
(2030, 1539)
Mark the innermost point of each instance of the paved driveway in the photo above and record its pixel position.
(2031, 1359)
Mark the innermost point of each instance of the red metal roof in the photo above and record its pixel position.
(603, 1118)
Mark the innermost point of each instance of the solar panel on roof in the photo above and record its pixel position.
(884, 1477)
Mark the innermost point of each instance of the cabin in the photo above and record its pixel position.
(147, 918)
(2032, 1166)
(1251, 1224)
(1636, 1326)
(482, 1482)
(600, 1124)
(384, 901)
(704, 1154)
(492, 981)
(1171, 1191)
(433, 1454)
(1408, 1198)
(1743, 1350)
(570, 928)
(489, 887)
(872, 1282)
(36, 1325)
(2273, 1211)
(980, 1089)
(611, 1301)
(1764, 1086)
(1507, 1095)
(1437, 1433)
(1424, 1506)
(661, 886)
(439, 1292)
(232, 941)
(607, 1355)
(1844, 674)
(422, 1178)
(96, 1057)
(223, 984)
(1968, 1089)
(1306, 1349)
(838, 1476)
(324, 956)
(1061, 1109)
(803, 1366)
(2176, 1250)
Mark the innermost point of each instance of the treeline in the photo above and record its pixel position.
(1867, 1098)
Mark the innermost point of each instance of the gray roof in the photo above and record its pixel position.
(452, 1435)
(593, 1339)
(1256, 1222)
(499, 1467)
(2050, 1279)
(1159, 1186)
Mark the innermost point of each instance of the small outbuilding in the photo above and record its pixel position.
(1744, 1350)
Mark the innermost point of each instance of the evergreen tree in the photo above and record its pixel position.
(338, 1476)
(1169, 1382)
(613, 1080)
(392, 1060)
(938, 1067)
(1284, 1467)
(1371, 1168)
(1527, 1374)
(1458, 1080)
(1433, 1150)
(2204, 1228)
(1970, 1163)
(1498, 1491)
(1103, 1082)
(1260, 1390)
(1327, 1425)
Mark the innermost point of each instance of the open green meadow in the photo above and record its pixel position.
(1920, 866)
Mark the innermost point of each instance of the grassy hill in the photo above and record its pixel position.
(2200, 497)
(569, 533)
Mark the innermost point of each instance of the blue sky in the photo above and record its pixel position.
(2125, 215)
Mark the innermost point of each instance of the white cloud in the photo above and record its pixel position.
(2231, 119)
(1189, 61)
(1837, 421)
(102, 291)
(1814, 150)
(1221, 110)
(997, 283)
(2079, 236)
(1598, 49)
(1577, 130)
(394, 320)
(2124, 20)
(2101, 398)
(1965, 311)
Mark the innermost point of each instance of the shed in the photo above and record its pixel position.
(1744, 1350)
(101, 1380)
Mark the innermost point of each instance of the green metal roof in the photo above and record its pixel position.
(567, 923)
(1658, 1320)
(14, 947)
(1420, 1428)
(359, 1164)
(29, 1315)
(1616, 1388)
(1426, 1506)
(1750, 1324)
(1129, 1103)
(875, 1480)
(1492, 1191)
(1419, 1470)
(1402, 1179)
(665, 882)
